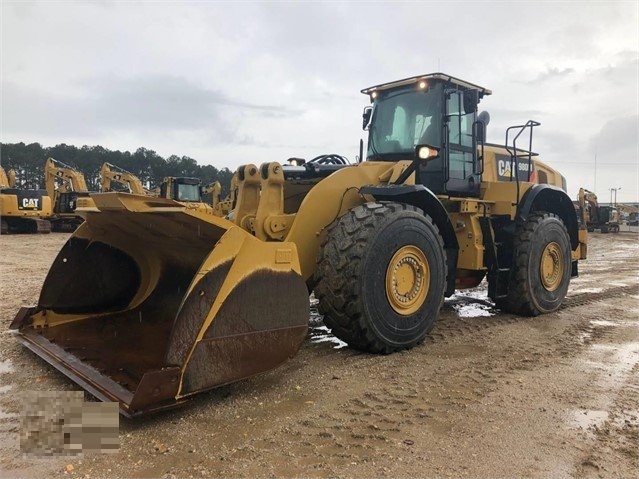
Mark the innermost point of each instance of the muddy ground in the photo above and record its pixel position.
(487, 395)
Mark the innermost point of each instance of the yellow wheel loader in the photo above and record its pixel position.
(150, 302)
(186, 191)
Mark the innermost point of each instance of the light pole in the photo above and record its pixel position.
(615, 190)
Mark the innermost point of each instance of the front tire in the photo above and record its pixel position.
(381, 277)
(541, 271)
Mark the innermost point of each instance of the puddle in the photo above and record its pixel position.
(602, 322)
(6, 367)
(588, 290)
(471, 303)
(588, 418)
(476, 293)
(625, 355)
(321, 334)
(612, 362)
(473, 310)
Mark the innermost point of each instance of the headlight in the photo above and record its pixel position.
(425, 152)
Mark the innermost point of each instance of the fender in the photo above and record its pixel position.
(543, 197)
(422, 197)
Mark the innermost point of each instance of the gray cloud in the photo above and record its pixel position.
(153, 102)
(550, 74)
(616, 142)
(170, 102)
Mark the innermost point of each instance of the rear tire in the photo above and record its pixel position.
(381, 277)
(541, 271)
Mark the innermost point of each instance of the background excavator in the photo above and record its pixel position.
(596, 217)
(110, 173)
(149, 302)
(68, 190)
(22, 209)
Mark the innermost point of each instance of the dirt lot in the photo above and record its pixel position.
(487, 395)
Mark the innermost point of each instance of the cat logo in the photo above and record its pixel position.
(503, 168)
(30, 203)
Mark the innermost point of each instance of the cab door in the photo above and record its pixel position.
(462, 172)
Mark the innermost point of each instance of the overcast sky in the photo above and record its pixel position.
(231, 83)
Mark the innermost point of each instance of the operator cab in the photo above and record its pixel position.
(436, 110)
(182, 189)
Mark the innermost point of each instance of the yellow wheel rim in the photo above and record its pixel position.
(407, 280)
(552, 266)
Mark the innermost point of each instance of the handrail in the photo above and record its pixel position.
(514, 157)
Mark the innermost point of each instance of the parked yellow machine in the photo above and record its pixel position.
(596, 217)
(186, 191)
(149, 302)
(23, 209)
(225, 206)
(68, 190)
(110, 173)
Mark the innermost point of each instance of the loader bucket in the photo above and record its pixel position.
(149, 303)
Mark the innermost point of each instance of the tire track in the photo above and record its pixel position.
(450, 327)
(581, 299)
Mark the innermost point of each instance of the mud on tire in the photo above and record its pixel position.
(355, 283)
(541, 269)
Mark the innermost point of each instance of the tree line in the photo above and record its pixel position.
(151, 168)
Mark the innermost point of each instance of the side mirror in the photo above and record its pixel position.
(426, 152)
(471, 100)
(366, 116)
(482, 123)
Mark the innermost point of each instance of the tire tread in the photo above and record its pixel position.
(339, 266)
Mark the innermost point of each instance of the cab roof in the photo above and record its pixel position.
(428, 76)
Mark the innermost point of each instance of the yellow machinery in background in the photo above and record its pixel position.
(225, 206)
(184, 190)
(149, 302)
(110, 173)
(596, 217)
(22, 209)
(68, 190)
